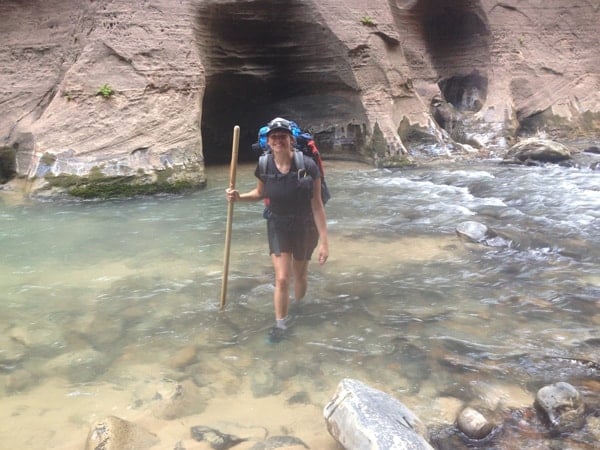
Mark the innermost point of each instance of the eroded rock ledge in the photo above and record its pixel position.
(111, 93)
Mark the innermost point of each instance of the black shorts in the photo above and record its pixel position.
(291, 234)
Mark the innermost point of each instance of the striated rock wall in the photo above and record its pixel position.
(55, 57)
(371, 79)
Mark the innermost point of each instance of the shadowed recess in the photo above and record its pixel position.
(466, 93)
(265, 59)
(457, 38)
(8, 164)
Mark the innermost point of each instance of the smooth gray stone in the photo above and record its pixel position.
(360, 417)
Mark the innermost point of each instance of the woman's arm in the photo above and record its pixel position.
(318, 210)
(255, 194)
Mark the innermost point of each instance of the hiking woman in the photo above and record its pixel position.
(296, 220)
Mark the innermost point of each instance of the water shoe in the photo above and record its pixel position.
(276, 335)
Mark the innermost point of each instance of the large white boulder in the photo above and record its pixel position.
(360, 417)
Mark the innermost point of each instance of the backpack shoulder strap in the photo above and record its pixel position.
(299, 160)
(262, 164)
(263, 161)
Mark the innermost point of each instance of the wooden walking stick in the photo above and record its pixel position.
(232, 172)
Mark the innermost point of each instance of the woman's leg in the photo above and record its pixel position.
(300, 278)
(281, 297)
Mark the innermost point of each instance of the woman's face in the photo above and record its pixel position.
(279, 140)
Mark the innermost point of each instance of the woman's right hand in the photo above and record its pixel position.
(232, 195)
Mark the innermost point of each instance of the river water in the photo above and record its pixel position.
(112, 308)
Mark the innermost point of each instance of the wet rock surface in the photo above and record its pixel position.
(360, 417)
(107, 94)
(562, 406)
(114, 433)
(474, 424)
(534, 150)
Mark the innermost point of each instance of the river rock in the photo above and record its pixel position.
(114, 433)
(586, 159)
(186, 399)
(79, 366)
(19, 380)
(40, 339)
(100, 330)
(593, 427)
(562, 405)
(474, 424)
(183, 357)
(280, 442)
(216, 439)
(360, 417)
(12, 351)
(537, 150)
(264, 382)
(473, 231)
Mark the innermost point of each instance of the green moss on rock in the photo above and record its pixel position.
(97, 185)
(96, 174)
(398, 162)
(115, 190)
(63, 181)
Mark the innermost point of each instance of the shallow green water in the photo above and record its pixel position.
(127, 293)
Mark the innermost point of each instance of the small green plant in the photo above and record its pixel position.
(367, 21)
(105, 91)
(68, 96)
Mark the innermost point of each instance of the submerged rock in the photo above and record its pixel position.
(473, 231)
(361, 417)
(563, 406)
(186, 399)
(79, 366)
(114, 433)
(275, 442)
(481, 234)
(216, 439)
(474, 424)
(537, 150)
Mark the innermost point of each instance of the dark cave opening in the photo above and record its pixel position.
(232, 100)
(260, 63)
(8, 164)
(466, 93)
(457, 37)
(452, 26)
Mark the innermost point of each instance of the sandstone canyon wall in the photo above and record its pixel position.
(371, 79)
(57, 54)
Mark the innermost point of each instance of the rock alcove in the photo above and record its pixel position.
(465, 93)
(265, 59)
(457, 38)
(8, 164)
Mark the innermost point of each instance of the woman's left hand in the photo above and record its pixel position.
(323, 254)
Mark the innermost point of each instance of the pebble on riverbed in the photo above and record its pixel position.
(562, 405)
(474, 424)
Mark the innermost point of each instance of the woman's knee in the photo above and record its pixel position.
(282, 281)
(300, 268)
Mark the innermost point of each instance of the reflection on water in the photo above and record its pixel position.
(107, 306)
